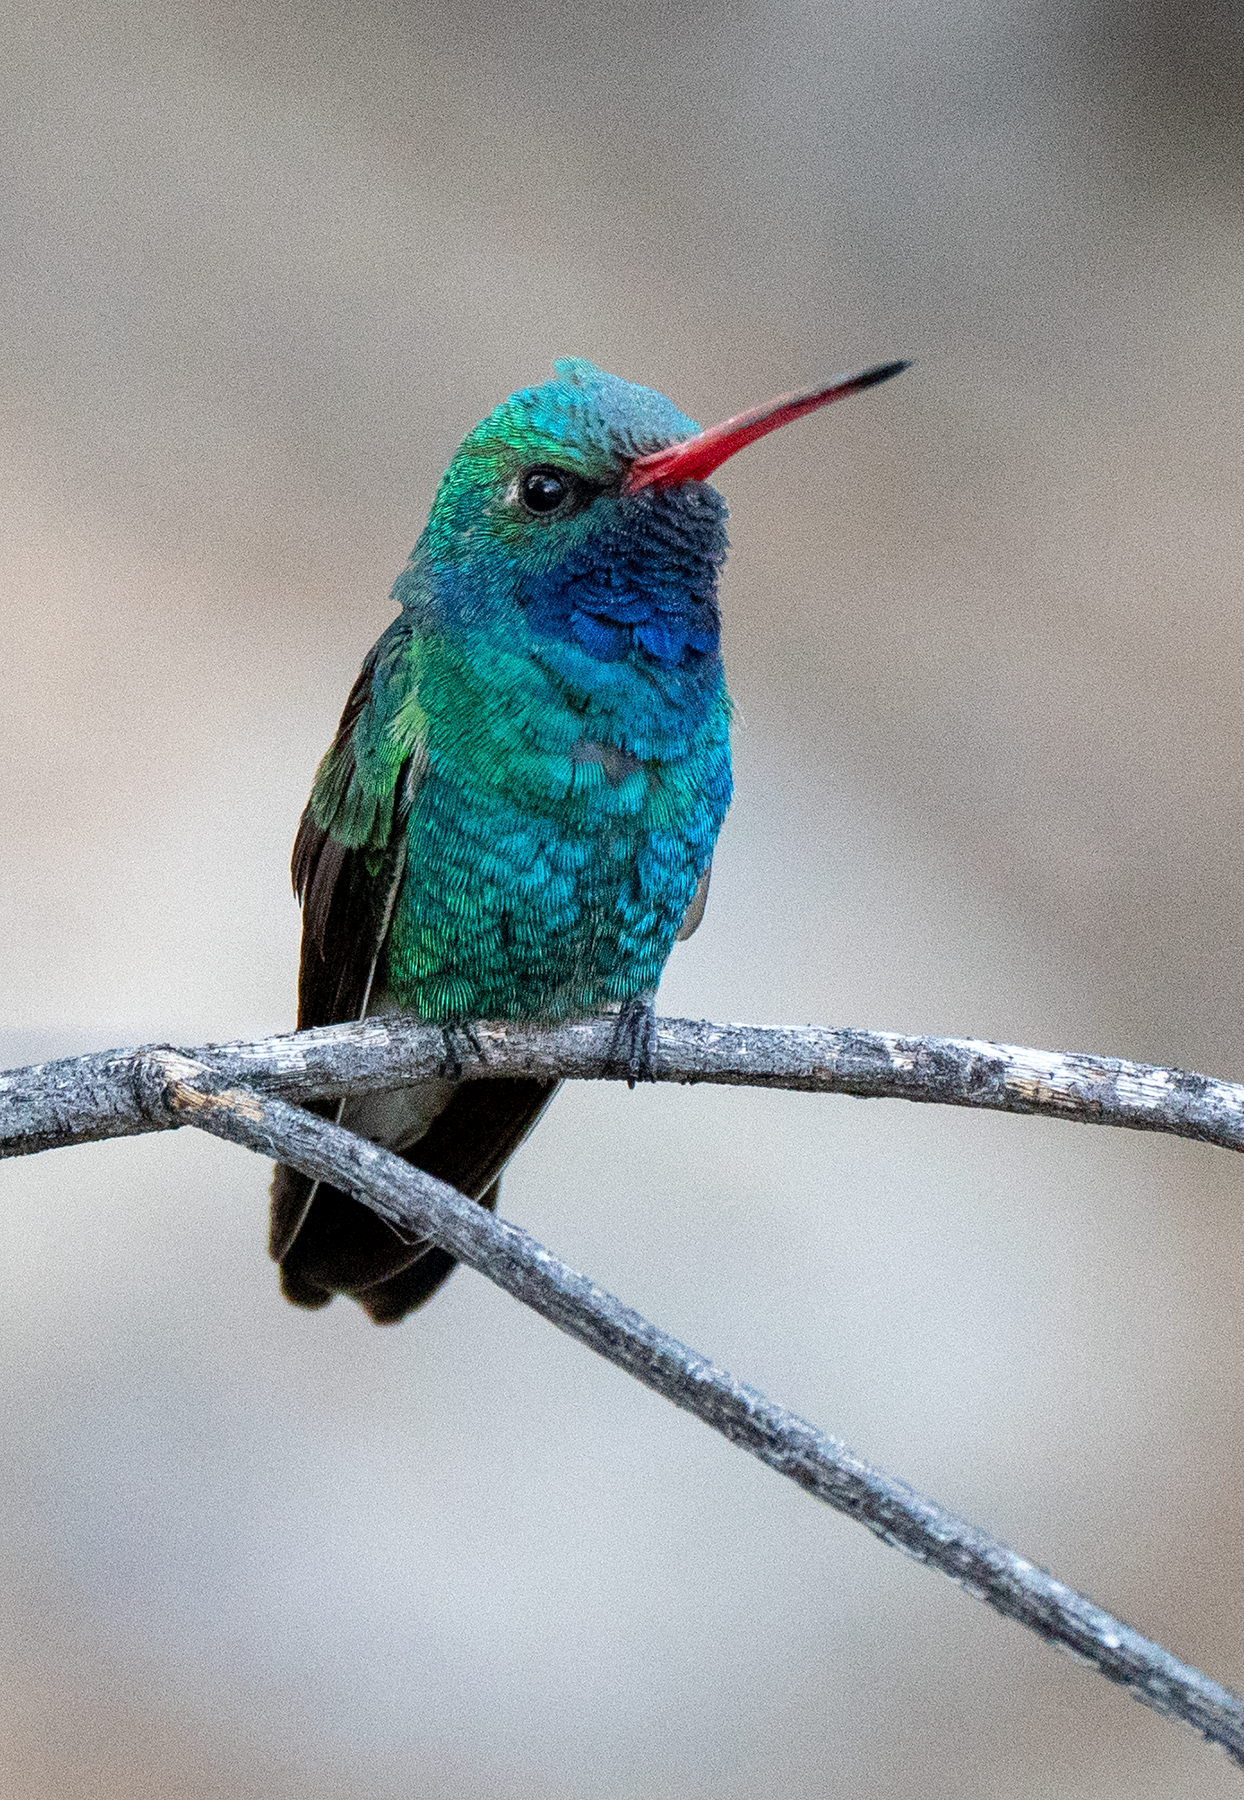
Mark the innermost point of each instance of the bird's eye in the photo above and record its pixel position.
(544, 490)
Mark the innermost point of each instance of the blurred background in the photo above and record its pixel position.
(262, 266)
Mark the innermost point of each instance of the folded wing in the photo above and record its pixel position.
(348, 864)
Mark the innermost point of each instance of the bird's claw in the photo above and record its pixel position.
(452, 1036)
(633, 1047)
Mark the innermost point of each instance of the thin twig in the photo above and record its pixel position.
(242, 1092)
(83, 1098)
(420, 1208)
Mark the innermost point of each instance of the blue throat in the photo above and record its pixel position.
(625, 619)
(642, 587)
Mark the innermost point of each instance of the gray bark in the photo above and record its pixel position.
(85, 1097)
(242, 1092)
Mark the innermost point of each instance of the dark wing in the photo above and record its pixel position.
(347, 891)
(348, 863)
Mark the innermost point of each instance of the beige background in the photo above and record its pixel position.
(262, 267)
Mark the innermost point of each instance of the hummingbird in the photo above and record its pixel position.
(516, 817)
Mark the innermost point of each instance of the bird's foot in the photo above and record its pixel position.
(632, 1050)
(452, 1038)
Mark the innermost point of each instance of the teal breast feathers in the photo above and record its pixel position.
(548, 869)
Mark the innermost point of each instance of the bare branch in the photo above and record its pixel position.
(242, 1092)
(421, 1208)
(86, 1097)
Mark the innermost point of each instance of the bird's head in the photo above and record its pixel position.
(583, 506)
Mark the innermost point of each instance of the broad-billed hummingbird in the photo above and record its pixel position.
(517, 815)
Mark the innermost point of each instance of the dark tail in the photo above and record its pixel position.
(328, 1243)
